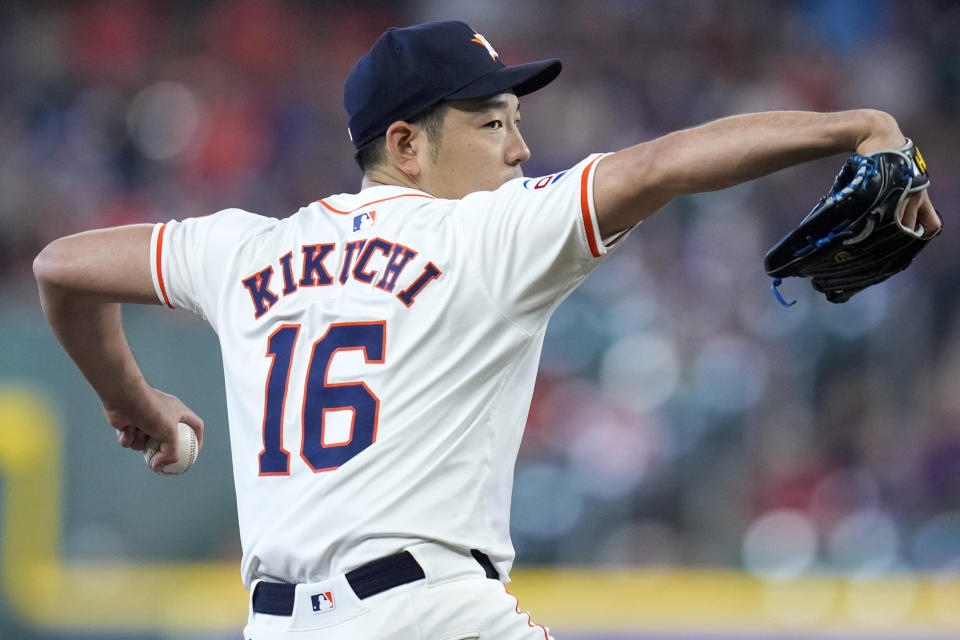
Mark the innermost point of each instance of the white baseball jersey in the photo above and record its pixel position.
(380, 351)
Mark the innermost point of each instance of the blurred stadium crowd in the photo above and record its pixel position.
(682, 417)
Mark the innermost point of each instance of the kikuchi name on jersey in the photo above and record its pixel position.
(377, 262)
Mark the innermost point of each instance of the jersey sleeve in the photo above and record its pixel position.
(534, 240)
(191, 259)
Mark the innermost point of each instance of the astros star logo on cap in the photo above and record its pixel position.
(479, 39)
(388, 84)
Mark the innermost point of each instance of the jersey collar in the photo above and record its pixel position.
(370, 196)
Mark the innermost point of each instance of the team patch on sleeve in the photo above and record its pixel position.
(545, 181)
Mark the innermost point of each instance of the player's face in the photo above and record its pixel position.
(480, 148)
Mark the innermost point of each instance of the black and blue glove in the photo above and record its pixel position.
(854, 236)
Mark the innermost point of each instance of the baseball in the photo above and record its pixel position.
(187, 445)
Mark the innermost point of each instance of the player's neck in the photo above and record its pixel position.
(379, 177)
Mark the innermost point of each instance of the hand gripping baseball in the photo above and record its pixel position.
(153, 423)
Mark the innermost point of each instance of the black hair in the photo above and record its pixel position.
(371, 154)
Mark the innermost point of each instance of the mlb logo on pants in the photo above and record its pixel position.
(322, 602)
(364, 220)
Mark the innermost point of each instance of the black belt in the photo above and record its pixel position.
(276, 598)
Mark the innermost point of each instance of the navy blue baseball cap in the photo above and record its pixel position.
(409, 70)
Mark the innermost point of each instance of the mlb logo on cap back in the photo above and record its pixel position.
(409, 70)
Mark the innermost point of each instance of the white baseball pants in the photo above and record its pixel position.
(456, 601)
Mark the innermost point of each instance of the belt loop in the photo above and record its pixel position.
(486, 563)
(273, 598)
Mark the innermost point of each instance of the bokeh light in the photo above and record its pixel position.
(163, 120)
(640, 371)
(547, 501)
(864, 539)
(780, 545)
(936, 543)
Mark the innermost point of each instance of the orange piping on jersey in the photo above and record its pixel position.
(364, 206)
(585, 209)
(530, 621)
(163, 289)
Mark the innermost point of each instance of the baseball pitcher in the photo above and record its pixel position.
(380, 347)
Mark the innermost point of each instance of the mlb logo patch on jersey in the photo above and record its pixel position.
(364, 220)
(322, 602)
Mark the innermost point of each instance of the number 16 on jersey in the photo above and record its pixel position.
(320, 397)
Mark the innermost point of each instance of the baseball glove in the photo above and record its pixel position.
(854, 237)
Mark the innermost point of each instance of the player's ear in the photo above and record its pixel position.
(407, 146)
